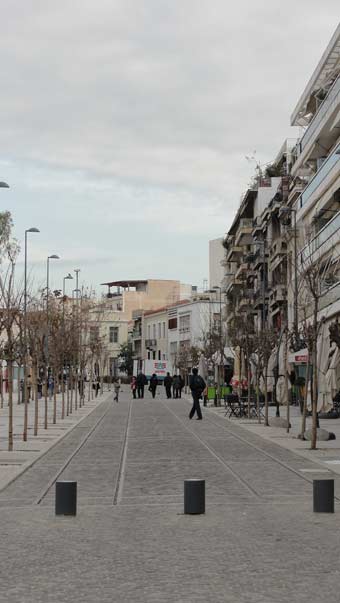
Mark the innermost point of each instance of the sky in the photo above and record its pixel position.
(125, 124)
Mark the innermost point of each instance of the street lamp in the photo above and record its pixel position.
(285, 209)
(24, 435)
(50, 257)
(67, 277)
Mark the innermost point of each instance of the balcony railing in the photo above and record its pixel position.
(136, 334)
(332, 99)
(320, 175)
(151, 343)
(326, 238)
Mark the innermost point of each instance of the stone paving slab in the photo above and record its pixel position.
(258, 542)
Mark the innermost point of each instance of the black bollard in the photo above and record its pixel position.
(66, 498)
(194, 496)
(323, 495)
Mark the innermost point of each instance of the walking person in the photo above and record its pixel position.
(153, 384)
(116, 387)
(141, 382)
(176, 386)
(197, 386)
(134, 386)
(167, 385)
(181, 385)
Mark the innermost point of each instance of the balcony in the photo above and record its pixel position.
(258, 296)
(241, 271)
(136, 334)
(258, 257)
(278, 295)
(233, 253)
(329, 104)
(244, 232)
(278, 251)
(151, 344)
(324, 241)
(327, 172)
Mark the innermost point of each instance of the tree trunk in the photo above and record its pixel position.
(62, 394)
(91, 383)
(24, 435)
(2, 389)
(36, 399)
(315, 384)
(18, 384)
(72, 386)
(55, 381)
(249, 387)
(285, 359)
(76, 389)
(304, 410)
(46, 397)
(266, 407)
(10, 404)
(258, 395)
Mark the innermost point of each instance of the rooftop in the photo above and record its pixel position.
(326, 70)
(132, 283)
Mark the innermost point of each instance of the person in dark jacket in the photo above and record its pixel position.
(197, 386)
(168, 384)
(153, 384)
(181, 386)
(176, 384)
(141, 381)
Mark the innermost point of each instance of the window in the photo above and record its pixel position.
(94, 334)
(172, 323)
(159, 355)
(154, 331)
(184, 323)
(163, 330)
(113, 334)
(149, 331)
(153, 355)
(149, 355)
(159, 330)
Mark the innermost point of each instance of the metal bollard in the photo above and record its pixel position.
(194, 496)
(66, 498)
(323, 495)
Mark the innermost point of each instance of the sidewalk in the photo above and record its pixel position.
(327, 453)
(24, 454)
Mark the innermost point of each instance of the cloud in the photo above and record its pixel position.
(124, 119)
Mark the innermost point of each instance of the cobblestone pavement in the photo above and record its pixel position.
(130, 542)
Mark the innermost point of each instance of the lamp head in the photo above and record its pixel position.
(53, 257)
(69, 276)
(33, 229)
(4, 185)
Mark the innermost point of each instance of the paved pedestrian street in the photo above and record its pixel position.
(258, 541)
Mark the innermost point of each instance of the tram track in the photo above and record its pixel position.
(69, 459)
(245, 442)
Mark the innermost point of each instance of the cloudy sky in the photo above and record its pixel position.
(125, 123)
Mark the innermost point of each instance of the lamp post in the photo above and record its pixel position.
(77, 291)
(67, 277)
(221, 363)
(24, 435)
(50, 257)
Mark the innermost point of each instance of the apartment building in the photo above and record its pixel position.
(315, 190)
(162, 334)
(126, 296)
(291, 218)
(253, 238)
